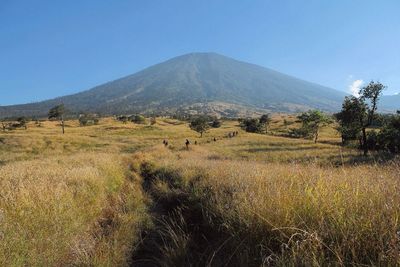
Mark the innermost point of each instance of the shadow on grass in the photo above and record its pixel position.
(371, 159)
(275, 149)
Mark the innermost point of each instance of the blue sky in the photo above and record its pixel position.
(54, 48)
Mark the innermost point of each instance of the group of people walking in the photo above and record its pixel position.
(233, 134)
(187, 142)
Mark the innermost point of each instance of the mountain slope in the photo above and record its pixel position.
(192, 79)
(390, 102)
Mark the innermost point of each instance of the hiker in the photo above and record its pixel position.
(215, 140)
(187, 143)
(195, 142)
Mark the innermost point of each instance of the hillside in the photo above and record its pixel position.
(390, 102)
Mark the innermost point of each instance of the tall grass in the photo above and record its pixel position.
(83, 198)
(294, 214)
(79, 209)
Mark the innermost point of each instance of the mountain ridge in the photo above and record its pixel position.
(194, 79)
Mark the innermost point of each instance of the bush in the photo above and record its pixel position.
(252, 125)
(139, 119)
(372, 140)
(122, 118)
(88, 119)
(299, 133)
(389, 136)
(216, 124)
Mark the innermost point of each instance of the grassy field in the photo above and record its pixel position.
(113, 195)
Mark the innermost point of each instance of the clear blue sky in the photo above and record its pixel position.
(53, 48)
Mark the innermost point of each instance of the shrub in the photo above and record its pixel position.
(216, 123)
(88, 119)
(139, 119)
(252, 125)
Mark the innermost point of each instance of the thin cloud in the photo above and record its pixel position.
(355, 86)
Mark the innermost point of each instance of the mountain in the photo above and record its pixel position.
(390, 102)
(195, 82)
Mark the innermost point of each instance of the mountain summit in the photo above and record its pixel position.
(195, 80)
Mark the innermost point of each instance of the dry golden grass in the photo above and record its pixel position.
(80, 209)
(293, 214)
(77, 199)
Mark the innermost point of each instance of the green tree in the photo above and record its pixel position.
(359, 113)
(312, 121)
(57, 113)
(22, 122)
(252, 125)
(351, 118)
(200, 124)
(389, 136)
(369, 95)
(266, 121)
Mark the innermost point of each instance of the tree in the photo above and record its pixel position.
(369, 95)
(351, 118)
(200, 124)
(252, 125)
(389, 136)
(22, 122)
(265, 120)
(57, 113)
(359, 113)
(312, 121)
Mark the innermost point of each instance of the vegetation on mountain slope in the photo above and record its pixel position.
(192, 79)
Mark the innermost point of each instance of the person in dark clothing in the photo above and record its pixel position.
(187, 143)
(215, 140)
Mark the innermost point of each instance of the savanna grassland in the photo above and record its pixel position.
(113, 195)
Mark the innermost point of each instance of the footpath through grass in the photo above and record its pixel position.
(113, 195)
(209, 211)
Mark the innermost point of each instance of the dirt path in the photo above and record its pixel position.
(180, 235)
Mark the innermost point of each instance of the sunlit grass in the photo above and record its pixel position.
(289, 213)
(77, 198)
